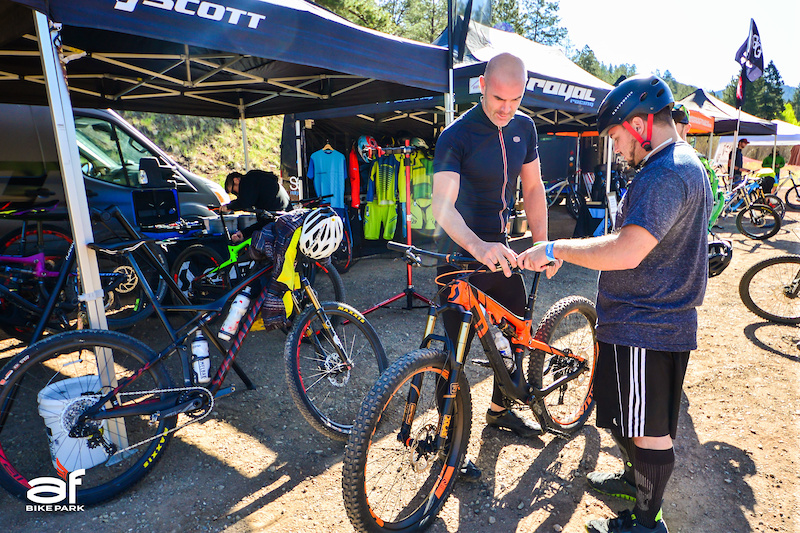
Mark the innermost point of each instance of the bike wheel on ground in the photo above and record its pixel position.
(792, 197)
(45, 390)
(568, 326)
(758, 222)
(328, 377)
(770, 289)
(193, 272)
(393, 477)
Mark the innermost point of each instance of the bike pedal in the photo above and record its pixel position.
(482, 362)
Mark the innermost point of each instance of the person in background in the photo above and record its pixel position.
(653, 276)
(768, 183)
(257, 189)
(476, 165)
(738, 161)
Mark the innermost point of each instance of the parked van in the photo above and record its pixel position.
(110, 150)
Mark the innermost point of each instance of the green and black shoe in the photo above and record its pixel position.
(612, 484)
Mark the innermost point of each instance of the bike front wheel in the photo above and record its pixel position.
(568, 326)
(330, 371)
(758, 222)
(44, 392)
(394, 477)
(792, 197)
(770, 289)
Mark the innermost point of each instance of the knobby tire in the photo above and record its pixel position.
(327, 390)
(394, 483)
(63, 369)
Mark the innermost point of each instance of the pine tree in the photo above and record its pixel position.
(771, 97)
(796, 102)
(588, 61)
(540, 22)
(507, 12)
(424, 20)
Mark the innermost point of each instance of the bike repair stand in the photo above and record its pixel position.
(409, 293)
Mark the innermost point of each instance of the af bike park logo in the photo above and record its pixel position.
(48, 493)
(197, 8)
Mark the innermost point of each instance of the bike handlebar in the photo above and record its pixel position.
(412, 254)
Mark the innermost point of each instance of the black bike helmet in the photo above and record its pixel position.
(720, 253)
(637, 95)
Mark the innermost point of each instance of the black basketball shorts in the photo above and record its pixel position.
(638, 391)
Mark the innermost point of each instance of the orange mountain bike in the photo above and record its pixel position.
(411, 433)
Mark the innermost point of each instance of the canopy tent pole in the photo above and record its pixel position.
(449, 97)
(69, 160)
(298, 147)
(243, 125)
(77, 205)
(775, 154)
(733, 151)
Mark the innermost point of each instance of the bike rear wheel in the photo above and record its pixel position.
(770, 289)
(569, 326)
(792, 197)
(758, 222)
(47, 387)
(327, 389)
(399, 482)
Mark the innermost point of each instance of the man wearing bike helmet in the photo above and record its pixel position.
(654, 271)
(476, 164)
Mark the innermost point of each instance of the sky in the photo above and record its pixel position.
(695, 41)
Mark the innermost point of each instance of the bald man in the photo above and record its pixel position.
(478, 160)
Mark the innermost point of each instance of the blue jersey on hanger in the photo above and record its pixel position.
(328, 170)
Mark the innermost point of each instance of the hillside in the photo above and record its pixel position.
(212, 147)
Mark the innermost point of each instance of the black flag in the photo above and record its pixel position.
(750, 55)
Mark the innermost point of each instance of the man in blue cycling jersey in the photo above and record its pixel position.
(654, 271)
(478, 159)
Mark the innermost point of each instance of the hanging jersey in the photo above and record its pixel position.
(327, 169)
(354, 176)
(421, 176)
(383, 181)
(401, 177)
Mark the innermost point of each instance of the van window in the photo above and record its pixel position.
(108, 153)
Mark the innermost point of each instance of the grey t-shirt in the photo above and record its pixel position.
(653, 306)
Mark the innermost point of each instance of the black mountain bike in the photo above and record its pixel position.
(410, 436)
(106, 402)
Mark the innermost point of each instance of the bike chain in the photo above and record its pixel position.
(192, 419)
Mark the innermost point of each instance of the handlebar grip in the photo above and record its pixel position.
(397, 247)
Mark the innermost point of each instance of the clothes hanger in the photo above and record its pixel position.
(327, 146)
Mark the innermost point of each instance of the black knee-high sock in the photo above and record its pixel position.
(653, 469)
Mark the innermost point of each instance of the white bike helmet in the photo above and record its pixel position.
(321, 234)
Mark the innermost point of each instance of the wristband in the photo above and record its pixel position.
(548, 251)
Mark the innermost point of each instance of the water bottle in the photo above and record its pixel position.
(237, 311)
(200, 360)
(503, 346)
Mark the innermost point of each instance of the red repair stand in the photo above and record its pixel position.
(409, 293)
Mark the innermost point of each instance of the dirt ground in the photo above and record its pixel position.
(256, 465)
